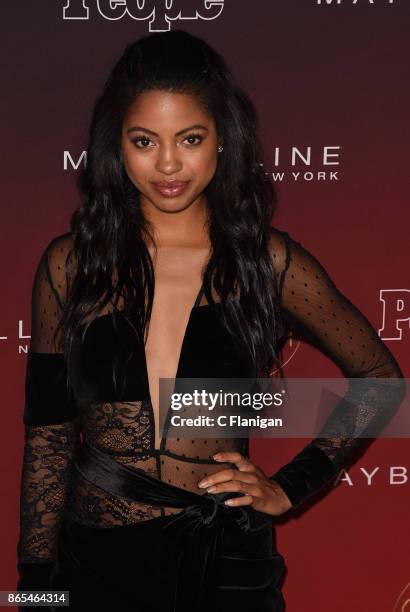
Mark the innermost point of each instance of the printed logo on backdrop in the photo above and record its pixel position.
(403, 601)
(294, 163)
(357, 2)
(396, 315)
(304, 164)
(158, 13)
(298, 163)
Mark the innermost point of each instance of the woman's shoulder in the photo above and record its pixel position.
(60, 246)
(59, 252)
(58, 263)
(295, 265)
(287, 251)
(280, 249)
(280, 242)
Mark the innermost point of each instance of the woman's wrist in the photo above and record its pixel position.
(305, 474)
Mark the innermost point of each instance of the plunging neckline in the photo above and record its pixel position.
(196, 308)
(193, 309)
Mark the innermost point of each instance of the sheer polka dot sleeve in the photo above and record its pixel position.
(48, 397)
(51, 433)
(316, 311)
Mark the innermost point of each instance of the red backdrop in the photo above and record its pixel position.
(330, 81)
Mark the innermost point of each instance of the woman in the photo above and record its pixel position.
(174, 196)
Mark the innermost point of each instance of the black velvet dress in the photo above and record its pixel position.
(122, 524)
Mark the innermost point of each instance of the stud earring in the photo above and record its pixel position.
(220, 149)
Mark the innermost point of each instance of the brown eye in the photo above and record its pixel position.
(197, 137)
(141, 139)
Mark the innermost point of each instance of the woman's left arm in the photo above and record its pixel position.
(318, 311)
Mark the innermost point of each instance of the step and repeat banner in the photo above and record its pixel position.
(329, 80)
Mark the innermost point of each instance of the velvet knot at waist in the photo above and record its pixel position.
(200, 528)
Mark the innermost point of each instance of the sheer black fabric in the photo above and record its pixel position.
(118, 420)
(315, 310)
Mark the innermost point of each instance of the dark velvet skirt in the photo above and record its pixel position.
(137, 568)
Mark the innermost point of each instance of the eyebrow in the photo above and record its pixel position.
(198, 126)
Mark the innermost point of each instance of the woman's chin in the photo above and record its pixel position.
(170, 205)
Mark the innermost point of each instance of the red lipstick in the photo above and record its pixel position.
(171, 189)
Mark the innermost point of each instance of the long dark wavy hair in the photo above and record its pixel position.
(109, 230)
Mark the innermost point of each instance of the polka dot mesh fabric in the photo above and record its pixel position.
(317, 311)
(50, 487)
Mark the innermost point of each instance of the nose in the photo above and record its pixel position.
(168, 161)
